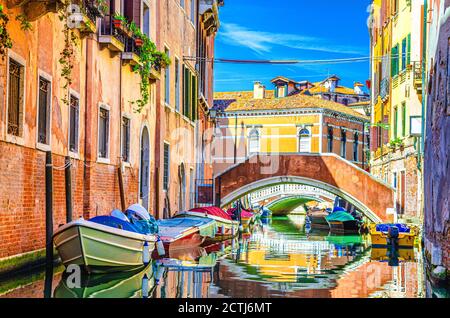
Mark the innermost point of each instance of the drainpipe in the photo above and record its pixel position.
(86, 117)
(424, 101)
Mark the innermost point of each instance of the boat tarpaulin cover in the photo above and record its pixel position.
(175, 227)
(244, 213)
(403, 228)
(340, 216)
(212, 210)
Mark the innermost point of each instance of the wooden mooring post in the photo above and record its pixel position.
(121, 189)
(48, 208)
(68, 182)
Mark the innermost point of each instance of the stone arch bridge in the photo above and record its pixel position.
(328, 172)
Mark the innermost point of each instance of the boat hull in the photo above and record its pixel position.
(98, 248)
(344, 226)
(380, 239)
(318, 221)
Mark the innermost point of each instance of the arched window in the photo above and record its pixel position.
(355, 147)
(253, 141)
(182, 194)
(330, 139)
(304, 140)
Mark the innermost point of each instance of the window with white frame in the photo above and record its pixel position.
(166, 166)
(304, 140)
(74, 110)
(125, 139)
(343, 143)
(167, 80)
(193, 11)
(103, 132)
(355, 147)
(44, 111)
(253, 141)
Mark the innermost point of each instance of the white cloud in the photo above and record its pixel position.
(263, 42)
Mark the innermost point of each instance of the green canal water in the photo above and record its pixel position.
(279, 259)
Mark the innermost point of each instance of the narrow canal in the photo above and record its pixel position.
(279, 259)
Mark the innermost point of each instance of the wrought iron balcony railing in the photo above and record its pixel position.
(107, 27)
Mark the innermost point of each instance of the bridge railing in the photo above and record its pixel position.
(288, 189)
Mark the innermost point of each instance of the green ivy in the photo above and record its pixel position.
(149, 57)
(5, 39)
(24, 23)
(66, 55)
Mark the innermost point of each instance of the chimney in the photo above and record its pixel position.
(357, 87)
(259, 90)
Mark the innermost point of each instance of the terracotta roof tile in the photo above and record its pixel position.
(237, 101)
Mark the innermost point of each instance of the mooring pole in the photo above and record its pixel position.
(48, 208)
(68, 181)
(121, 190)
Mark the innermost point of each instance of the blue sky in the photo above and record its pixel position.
(291, 29)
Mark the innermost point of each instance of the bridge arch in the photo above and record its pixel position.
(324, 171)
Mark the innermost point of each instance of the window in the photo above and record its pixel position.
(343, 143)
(394, 180)
(146, 19)
(103, 133)
(125, 139)
(304, 140)
(15, 98)
(345, 101)
(404, 54)
(44, 112)
(403, 119)
(395, 122)
(182, 3)
(193, 11)
(166, 166)
(355, 147)
(73, 123)
(189, 94)
(330, 139)
(395, 7)
(167, 80)
(394, 61)
(177, 84)
(253, 141)
(408, 50)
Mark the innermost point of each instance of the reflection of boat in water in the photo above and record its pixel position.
(386, 254)
(131, 284)
(317, 219)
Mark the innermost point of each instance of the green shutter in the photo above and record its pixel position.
(394, 60)
(185, 90)
(194, 98)
(408, 55)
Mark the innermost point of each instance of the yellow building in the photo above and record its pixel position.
(257, 121)
(396, 44)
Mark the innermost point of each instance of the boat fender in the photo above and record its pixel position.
(145, 286)
(146, 254)
(160, 247)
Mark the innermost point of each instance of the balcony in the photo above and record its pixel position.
(208, 10)
(113, 35)
(131, 52)
(417, 71)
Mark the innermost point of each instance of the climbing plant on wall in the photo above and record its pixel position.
(67, 54)
(5, 39)
(149, 57)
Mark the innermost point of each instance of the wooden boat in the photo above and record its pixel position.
(382, 235)
(317, 219)
(226, 226)
(103, 244)
(342, 221)
(132, 284)
(182, 233)
(248, 218)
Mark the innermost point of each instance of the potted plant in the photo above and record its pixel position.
(160, 60)
(137, 34)
(119, 21)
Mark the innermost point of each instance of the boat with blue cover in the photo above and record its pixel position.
(179, 233)
(397, 234)
(116, 242)
(342, 221)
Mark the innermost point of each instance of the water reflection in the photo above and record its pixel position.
(279, 259)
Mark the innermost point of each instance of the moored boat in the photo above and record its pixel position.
(226, 226)
(182, 233)
(317, 219)
(342, 221)
(399, 235)
(247, 218)
(107, 243)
